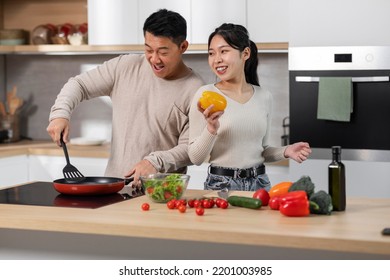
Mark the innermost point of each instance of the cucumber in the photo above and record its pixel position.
(243, 201)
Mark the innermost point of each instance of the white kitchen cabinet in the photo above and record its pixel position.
(49, 168)
(206, 15)
(13, 170)
(113, 22)
(108, 21)
(268, 20)
(339, 23)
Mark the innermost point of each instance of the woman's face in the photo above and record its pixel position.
(226, 62)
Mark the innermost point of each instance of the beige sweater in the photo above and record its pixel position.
(242, 140)
(150, 114)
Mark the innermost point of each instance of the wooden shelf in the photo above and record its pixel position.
(117, 49)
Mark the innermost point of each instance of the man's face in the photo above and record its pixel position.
(163, 55)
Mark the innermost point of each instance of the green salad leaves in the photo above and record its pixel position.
(163, 190)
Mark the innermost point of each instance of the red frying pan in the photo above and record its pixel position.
(75, 183)
(91, 185)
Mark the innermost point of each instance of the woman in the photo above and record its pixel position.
(236, 141)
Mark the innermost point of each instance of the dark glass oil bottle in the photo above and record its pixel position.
(336, 170)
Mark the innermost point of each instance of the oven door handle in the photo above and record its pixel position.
(308, 79)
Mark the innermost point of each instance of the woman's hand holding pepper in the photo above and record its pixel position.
(212, 119)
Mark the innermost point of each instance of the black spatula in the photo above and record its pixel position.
(71, 173)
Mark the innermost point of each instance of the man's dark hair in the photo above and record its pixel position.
(168, 24)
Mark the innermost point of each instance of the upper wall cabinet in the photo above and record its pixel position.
(109, 19)
(268, 20)
(120, 22)
(113, 22)
(206, 15)
(339, 23)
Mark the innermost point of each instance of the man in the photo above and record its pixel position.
(151, 96)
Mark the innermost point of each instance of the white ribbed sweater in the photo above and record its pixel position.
(242, 140)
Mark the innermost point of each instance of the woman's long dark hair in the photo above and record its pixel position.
(238, 38)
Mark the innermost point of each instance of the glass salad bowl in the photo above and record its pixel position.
(163, 187)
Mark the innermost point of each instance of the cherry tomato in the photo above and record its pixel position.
(191, 203)
(198, 203)
(263, 195)
(206, 203)
(171, 204)
(223, 204)
(218, 202)
(150, 190)
(274, 203)
(167, 195)
(180, 202)
(145, 206)
(182, 208)
(199, 211)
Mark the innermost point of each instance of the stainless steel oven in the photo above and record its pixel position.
(367, 135)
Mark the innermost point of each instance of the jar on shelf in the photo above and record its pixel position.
(79, 36)
(43, 34)
(63, 30)
(9, 125)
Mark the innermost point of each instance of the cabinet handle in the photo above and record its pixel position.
(308, 79)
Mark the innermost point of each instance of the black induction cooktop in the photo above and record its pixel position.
(44, 194)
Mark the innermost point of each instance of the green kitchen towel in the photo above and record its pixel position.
(335, 101)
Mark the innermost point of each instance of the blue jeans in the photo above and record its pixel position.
(218, 182)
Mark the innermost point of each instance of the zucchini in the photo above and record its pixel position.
(243, 201)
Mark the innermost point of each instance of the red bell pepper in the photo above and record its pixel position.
(274, 202)
(294, 204)
(293, 196)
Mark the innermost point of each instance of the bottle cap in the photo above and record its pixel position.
(336, 149)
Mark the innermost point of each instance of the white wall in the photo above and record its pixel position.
(339, 23)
